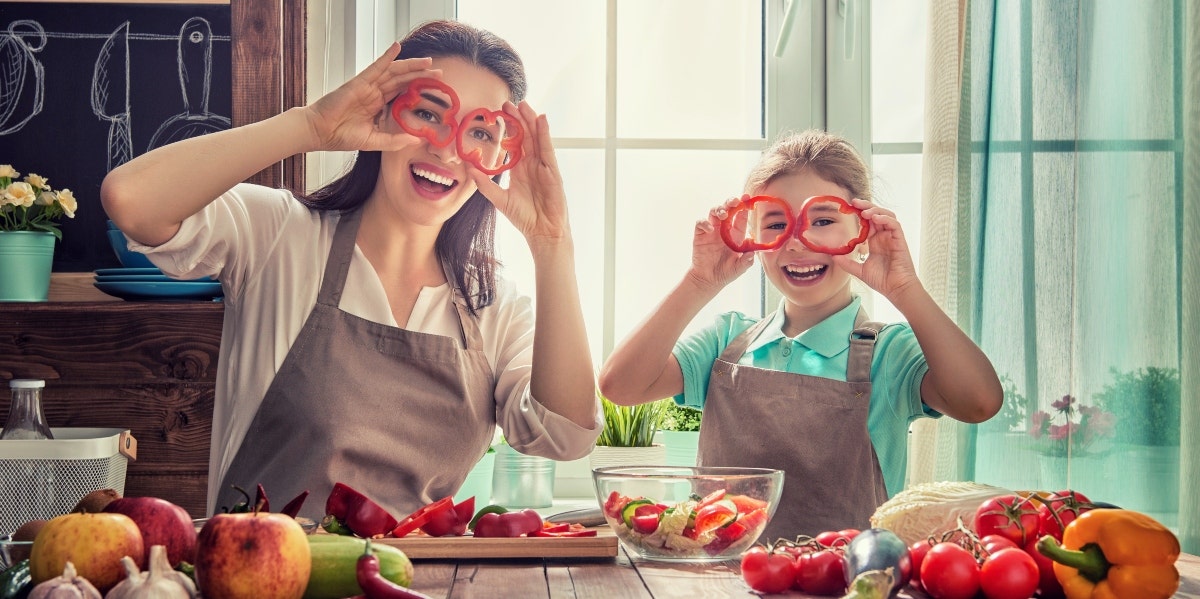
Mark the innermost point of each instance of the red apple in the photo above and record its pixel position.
(162, 523)
(95, 543)
(254, 556)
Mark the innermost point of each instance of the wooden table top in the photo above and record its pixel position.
(626, 578)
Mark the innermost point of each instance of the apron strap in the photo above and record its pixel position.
(733, 352)
(338, 263)
(467, 324)
(862, 350)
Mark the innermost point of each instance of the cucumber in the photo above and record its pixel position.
(16, 582)
(334, 563)
(878, 549)
(630, 510)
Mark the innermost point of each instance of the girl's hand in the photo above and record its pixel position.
(888, 266)
(534, 202)
(352, 117)
(714, 265)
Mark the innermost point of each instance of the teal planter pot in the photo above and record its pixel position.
(479, 482)
(26, 258)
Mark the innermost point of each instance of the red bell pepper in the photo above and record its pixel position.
(564, 534)
(508, 524)
(451, 521)
(423, 514)
(844, 207)
(749, 245)
(293, 507)
(352, 510)
(412, 97)
(510, 144)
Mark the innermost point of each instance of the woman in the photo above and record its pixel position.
(367, 339)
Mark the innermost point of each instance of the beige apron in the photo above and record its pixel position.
(399, 415)
(812, 428)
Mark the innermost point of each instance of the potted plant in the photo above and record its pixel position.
(681, 433)
(29, 211)
(628, 435)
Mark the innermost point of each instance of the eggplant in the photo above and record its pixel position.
(872, 552)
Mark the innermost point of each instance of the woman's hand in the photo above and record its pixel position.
(352, 117)
(888, 267)
(534, 202)
(714, 265)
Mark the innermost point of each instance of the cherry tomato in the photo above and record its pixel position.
(994, 543)
(821, 573)
(713, 516)
(646, 524)
(1009, 574)
(767, 572)
(1066, 505)
(1010, 516)
(949, 572)
(917, 553)
(1048, 585)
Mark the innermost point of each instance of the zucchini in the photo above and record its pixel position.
(335, 562)
(878, 550)
(16, 582)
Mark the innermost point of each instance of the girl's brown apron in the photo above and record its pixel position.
(399, 415)
(812, 428)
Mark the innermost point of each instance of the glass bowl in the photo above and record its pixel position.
(12, 551)
(687, 514)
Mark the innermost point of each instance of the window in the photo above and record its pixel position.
(659, 110)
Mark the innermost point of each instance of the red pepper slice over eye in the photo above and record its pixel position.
(510, 143)
(412, 97)
(748, 244)
(843, 207)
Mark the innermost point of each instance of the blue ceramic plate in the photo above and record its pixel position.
(151, 291)
(147, 279)
(104, 272)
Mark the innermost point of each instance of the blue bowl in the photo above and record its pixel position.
(127, 257)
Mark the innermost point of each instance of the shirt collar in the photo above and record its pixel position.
(829, 337)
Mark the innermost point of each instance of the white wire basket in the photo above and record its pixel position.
(45, 478)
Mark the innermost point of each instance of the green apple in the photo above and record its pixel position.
(95, 543)
(252, 556)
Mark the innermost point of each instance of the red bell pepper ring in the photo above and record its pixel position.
(508, 524)
(510, 144)
(749, 244)
(423, 514)
(864, 227)
(356, 512)
(412, 97)
(564, 534)
(452, 521)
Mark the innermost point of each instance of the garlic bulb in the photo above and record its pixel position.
(160, 581)
(67, 586)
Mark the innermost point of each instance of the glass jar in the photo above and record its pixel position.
(25, 417)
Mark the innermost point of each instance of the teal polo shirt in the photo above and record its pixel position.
(896, 372)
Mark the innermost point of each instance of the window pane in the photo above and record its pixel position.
(898, 31)
(898, 188)
(656, 215)
(689, 69)
(562, 46)
(583, 176)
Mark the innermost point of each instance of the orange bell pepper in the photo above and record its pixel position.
(1114, 554)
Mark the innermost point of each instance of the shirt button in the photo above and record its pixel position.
(787, 350)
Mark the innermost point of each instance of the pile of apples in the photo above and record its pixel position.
(254, 554)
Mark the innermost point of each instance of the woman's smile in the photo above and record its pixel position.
(432, 182)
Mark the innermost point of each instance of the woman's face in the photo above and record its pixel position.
(428, 184)
(807, 279)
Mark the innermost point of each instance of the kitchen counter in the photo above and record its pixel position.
(626, 578)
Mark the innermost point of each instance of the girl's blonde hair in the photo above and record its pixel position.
(831, 157)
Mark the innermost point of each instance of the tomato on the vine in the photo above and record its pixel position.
(839, 537)
(821, 572)
(1009, 574)
(917, 552)
(949, 572)
(1048, 585)
(1010, 516)
(1066, 505)
(994, 543)
(766, 571)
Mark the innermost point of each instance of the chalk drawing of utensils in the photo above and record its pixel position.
(110, 94)
(19, 69)
(195, 78)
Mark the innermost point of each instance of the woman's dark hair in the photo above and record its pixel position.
(467, 239)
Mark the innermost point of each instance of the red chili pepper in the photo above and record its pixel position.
(508, 524)
(293, 507)
(845, 208)
(412, 97)
(510, 144)
(418, 518)
(261, 503)
(357, 512)
(749, 245)
(374, 585)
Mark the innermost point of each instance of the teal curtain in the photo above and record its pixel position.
(1077, 174)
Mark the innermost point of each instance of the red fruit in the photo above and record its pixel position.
(161, 523)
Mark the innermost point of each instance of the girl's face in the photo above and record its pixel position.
(807, 279)
(428, 184)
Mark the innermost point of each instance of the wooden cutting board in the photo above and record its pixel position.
(604, 544)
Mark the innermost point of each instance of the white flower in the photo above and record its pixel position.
(45, 198)
(20, 194)
(31, 204)
(66, 199)
(8, 172)
(38, 182)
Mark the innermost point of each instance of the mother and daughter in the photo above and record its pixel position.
(369, 339)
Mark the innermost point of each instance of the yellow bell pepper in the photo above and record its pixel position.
(1114, 554)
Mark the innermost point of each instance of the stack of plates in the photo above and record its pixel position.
(150, 284)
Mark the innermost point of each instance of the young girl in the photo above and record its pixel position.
(367, 337)
(813, 389)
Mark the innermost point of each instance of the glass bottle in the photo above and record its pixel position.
(25, 417)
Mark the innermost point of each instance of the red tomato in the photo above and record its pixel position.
(949, 572)
(614, 504)
(917, 553)
(767, 572)
(713, 516)
(1066, 505)
(1009, 574)
(994, 543)
(646, 524)
(821, 573)
(1048, 585)
(746, 504)
(1010, 516)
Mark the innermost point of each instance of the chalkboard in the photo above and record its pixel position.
(86, 87)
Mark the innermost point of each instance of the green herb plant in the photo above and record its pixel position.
(631, 426)
(681, 418)
(1146, 403)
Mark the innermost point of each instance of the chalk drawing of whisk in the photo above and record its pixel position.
(21, 74)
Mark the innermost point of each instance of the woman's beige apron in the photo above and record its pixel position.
(812, 428)
(399, 415)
